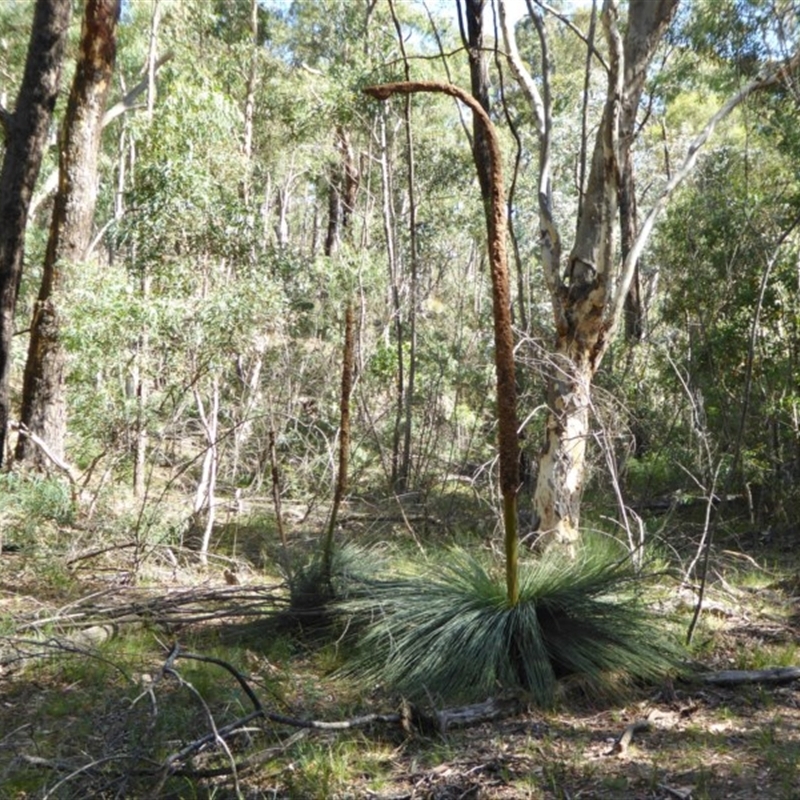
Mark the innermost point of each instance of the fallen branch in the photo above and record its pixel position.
(465, 716)
(246, 764)
(740, 677)
(259, 710)
(621, 745)
(100, 551)
(180, 606)
(410, 717)
(680, 794)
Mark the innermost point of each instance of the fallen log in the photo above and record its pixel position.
(740, 677)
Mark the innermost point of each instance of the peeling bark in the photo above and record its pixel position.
(589, 296)
(562, 462)
(580, 300)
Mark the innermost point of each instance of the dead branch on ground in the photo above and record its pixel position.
(740, 677)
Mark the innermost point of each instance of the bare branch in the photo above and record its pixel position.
(524, 78)
(587, 75)
(127, 102)
(444, 56)
(541, 105)
(573, 27)
(72, 476)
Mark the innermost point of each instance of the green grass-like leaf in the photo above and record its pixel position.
(313, 588)
(452, 632)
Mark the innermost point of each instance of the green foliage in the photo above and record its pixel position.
(31, 504)
(717, 249)
(452, 632)
(739, 34)
(314, 585)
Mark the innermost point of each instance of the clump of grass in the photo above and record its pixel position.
(32, 506)
(452, 631)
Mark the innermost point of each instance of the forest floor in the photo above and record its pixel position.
(96, 702)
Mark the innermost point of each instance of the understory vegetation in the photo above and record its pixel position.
(133, 670)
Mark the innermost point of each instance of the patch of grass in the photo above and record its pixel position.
(254, 537)
(33, 512)
(781, 758)
(321, 769)
(28, 498)
(768, 654)
(654, 473)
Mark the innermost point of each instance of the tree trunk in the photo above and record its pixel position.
(205, 495)
(142, 354)
(43, 406)
(396, 308)
(479, 84)
(334, 211)
(26, 132)
(348, 364)
(647, 22)
(580, 344)
(586, 297)
(141, 385)
(250, 97)
(404, 469)
(562, 461)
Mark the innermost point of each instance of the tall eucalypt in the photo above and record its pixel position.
(501, 306)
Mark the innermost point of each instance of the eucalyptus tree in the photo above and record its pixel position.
(185, 231)
(588, 288)
(734, 352)
(25, 132)
(43, 414)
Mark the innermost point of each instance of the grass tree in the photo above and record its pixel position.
(462, 630)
